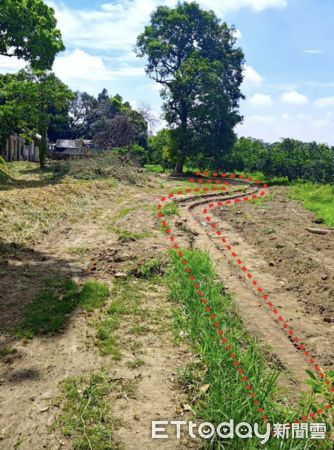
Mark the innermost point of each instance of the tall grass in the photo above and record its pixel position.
(318, 198)
(227, 396)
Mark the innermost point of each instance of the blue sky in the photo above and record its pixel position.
(288, 44)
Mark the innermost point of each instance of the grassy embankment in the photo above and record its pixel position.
(213, 383)
(33, 200)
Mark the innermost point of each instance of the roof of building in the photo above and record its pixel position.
(69, 143)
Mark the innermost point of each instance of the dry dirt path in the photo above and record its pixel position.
(91, 246)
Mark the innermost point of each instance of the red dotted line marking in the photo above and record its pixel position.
(285, 325)
(273, 308)
(223, 340)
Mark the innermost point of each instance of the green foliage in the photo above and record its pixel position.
(319, 199)
(154, 168)
(135, 152)
(289, 158)
(109, 120)
(320, 389)
(160, 146)
(85, 415)
(192, 54)
(224, 396)
(51, 309)
(246, 154)
(28, 102)
(170, 209)
(28, 31)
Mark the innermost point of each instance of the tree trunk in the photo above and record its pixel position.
(178, 170)
(43, 149)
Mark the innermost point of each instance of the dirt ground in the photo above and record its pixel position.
(295, 267)
(301, 262)
(88, 247)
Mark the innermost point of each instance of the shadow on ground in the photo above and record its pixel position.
(23, 273)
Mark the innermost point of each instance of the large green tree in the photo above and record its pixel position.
(28, 30)
(192, 54)
(29, 101)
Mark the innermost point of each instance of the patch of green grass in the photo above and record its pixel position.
(51, 309)
(94, 295)
(190, 377)
(155, 168)
(225, 397)
(260, 201)
(107, 342)
(86, 417)
(126, 298)
(170, 209)
(125, 302)
(123, 213)
(135, 364)
(136, 347)
(257, 175)
(316, 198)
(129, 388)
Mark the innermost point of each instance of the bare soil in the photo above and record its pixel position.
(304, 261)
(298, 264)
(294, 266)
(86, 247)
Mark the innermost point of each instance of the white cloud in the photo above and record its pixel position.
(79, 65)
(234, 5)
(324, 102)
(115, 25)
(271, 128)
(321, 123)
(11, 64)
(294, 98)
(251, 77)
(260, 119)
(313, 52)
(261, 100)
(318, 84)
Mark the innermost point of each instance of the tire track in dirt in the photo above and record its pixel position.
(251, 311)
